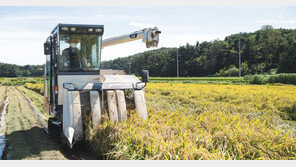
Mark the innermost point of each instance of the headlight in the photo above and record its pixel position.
(73, 29)
(69, 86)
(98, 30)
(65, 28)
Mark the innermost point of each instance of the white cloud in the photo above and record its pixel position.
(76, 18)
(171, 36)
(174, 40)
(21, 38)
(29, 17)
(174, 28)
(24, 44)
(280, 16)
(22, 52)
(21, 34)
(154, 3)
(115, 17)
(123, 50)
(176, 35)
(141, 25)
(275, 21)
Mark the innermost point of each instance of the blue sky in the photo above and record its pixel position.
(23, 30)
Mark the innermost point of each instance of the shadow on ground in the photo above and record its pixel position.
(33, 144)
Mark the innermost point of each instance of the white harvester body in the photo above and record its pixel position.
(69, 92)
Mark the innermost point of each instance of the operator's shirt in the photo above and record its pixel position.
(70, 55)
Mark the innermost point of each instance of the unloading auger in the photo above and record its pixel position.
(75, 83)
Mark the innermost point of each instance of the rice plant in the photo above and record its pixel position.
(205, 122)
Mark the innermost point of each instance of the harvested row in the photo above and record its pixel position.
(2, 94)
(36, 101)
(25, 135)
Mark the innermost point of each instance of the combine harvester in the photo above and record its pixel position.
(74, 82)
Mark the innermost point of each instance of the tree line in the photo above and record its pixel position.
(265, 51)
(12, 70)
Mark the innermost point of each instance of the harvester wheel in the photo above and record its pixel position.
(55, 129)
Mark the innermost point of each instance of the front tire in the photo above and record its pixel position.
(55, 129)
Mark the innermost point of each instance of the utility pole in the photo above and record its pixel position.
(239, 59)
(177, 64)
(130, 67)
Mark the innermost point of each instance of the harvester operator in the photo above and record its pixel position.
(71, 57)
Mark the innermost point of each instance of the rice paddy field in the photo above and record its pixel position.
(190, 121)
(200, 122)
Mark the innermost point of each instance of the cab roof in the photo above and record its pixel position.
(81, 28)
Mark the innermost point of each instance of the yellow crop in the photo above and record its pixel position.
(36, 87)
(189, 121)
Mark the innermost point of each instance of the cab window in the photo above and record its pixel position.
(79, 52)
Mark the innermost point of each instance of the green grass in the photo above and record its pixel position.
(1, 79)
(271, 79)
(198, 80)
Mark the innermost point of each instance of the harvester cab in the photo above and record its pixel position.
(74, 82)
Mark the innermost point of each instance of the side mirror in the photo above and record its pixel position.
(47, 48)
(145, 75)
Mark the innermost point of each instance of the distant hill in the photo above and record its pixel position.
(12, 70)
(267, 50)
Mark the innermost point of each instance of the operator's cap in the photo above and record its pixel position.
(72, 40)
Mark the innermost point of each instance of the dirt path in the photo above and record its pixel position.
(25, 135)
(2, 94)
